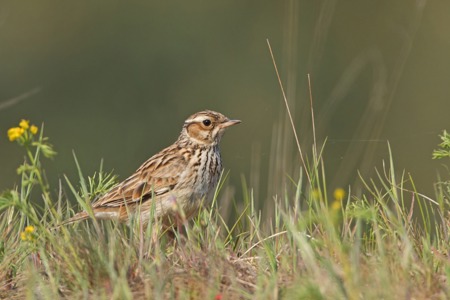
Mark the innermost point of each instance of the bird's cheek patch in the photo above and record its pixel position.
(195, 131)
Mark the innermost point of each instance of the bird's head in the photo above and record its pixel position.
(206, 127)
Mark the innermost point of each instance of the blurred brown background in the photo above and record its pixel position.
(116, 80)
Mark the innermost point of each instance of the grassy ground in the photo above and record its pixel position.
(389, 243)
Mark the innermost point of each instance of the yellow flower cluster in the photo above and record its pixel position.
(27, 234)
(338, 195)
(24, 126)
(15, 133)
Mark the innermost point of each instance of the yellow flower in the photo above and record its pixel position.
(27, 234)
(24, 124)
(339, 194)
(33, 129)
(336, 205)
(29, 229)
(15, 133)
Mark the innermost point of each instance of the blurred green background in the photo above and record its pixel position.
(116, 80)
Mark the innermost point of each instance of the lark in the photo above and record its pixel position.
(172, 182)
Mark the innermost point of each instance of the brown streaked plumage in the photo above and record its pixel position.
(177, 178)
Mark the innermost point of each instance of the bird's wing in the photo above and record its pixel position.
(157, 176)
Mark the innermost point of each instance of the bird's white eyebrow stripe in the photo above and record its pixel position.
(197, 119)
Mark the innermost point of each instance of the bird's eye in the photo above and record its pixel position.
(207, 122)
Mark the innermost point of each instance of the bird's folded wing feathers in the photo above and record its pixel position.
(154, 178)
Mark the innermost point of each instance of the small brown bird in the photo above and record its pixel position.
(176, 179)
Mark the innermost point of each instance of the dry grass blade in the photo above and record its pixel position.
(15, 100)
(312, 117)
(288, 110)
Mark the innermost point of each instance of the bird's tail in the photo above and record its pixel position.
(78, 217)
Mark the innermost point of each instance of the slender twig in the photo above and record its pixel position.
(288, 110)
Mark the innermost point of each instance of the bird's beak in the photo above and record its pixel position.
(229, 123)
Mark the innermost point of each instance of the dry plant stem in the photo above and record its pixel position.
(288, 111)
(16, 100)
(262, 241)
(312, 118)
